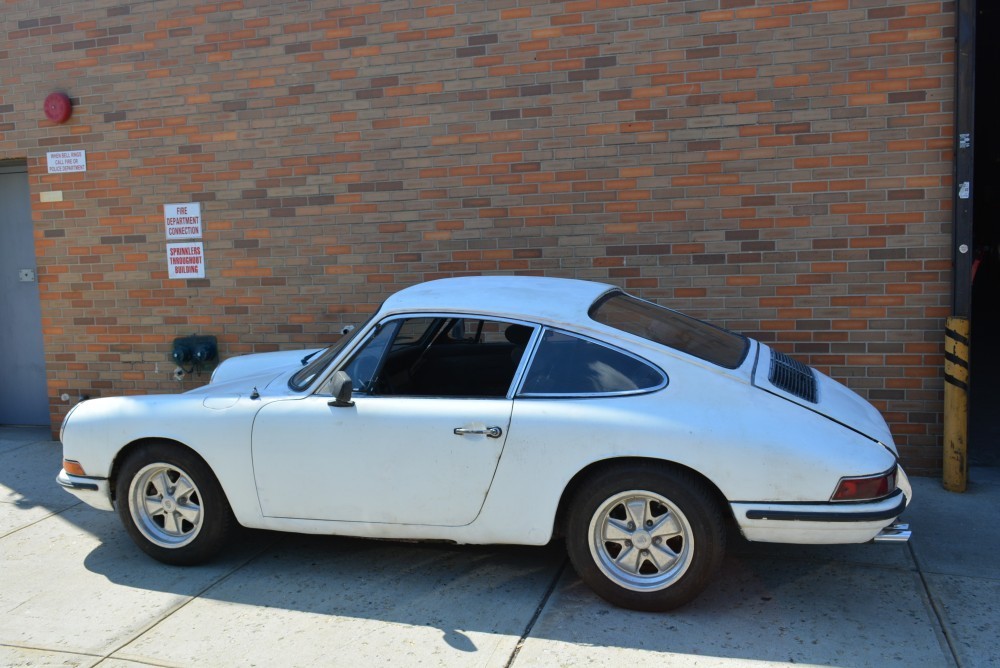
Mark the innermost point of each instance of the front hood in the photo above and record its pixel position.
(833, 400)
(244, 385)
(259, 363)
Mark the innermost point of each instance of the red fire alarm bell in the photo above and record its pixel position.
(58, 108)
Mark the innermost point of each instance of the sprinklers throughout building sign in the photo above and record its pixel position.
(183, 221)
(186, 260)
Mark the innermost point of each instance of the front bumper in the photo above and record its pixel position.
(825, 523)
(95, 492)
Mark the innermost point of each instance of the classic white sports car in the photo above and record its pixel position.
(505, 410)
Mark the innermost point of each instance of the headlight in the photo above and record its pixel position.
(211, 378)
(62, 427)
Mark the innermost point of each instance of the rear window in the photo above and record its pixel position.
(670, 328)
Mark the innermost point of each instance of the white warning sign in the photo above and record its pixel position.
(183, 220)
(186, 260)
(66, 161)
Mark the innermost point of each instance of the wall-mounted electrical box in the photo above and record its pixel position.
(195, 351)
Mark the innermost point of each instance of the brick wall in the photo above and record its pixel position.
(780, 168)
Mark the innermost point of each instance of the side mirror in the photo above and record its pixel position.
(341, 386)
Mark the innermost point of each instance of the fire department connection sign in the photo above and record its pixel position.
(186, 260)
(183, 221)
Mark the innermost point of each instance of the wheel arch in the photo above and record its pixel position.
(594, 468)
(131, 447)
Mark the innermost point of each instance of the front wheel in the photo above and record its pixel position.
(172, 505)
(645, 537)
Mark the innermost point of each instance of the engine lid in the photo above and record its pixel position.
(788, 378)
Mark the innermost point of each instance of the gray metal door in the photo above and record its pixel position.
(23, 396)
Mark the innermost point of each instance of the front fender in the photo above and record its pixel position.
(216, 428)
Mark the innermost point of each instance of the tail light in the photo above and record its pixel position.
(865, 488)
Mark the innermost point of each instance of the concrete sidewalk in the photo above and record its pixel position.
(74, 591)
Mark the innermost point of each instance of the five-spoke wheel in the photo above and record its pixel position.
(645, 537)
(171, 504)
(640, 540)
(165, 505)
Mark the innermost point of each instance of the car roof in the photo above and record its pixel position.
(529, 297)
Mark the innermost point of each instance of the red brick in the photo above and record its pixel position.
(648, 138)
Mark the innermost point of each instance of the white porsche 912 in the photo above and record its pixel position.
(504, 410)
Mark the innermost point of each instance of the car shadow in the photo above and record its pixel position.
(768, 602)
(810, 598)
(455, 589)
(29, 462)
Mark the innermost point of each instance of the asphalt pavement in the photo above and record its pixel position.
(74, 591)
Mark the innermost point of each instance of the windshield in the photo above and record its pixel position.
(670, 328)
(304, 377)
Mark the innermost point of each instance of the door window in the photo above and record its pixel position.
(438, 356)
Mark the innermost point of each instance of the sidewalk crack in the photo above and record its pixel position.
(538, 612)
(938, 613)
(183, 604)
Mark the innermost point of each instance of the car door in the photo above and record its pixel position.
(421, 442)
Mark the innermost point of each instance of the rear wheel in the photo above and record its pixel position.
(172, 505)
(645, 537)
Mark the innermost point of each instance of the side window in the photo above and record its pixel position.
(364, 365)
(569, 365)
(413, 330)
(437, 356)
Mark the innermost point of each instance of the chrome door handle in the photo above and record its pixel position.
(492, 432)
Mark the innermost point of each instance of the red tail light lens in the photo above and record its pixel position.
(866, 488)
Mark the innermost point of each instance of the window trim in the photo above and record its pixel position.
(536, 344)
(515, 382)
(347, 342)
(611, 294)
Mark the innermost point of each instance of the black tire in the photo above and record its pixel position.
(172, 504)
(645, 537)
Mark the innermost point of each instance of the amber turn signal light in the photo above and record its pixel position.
(73, 468)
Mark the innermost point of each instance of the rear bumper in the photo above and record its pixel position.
(825, 523)
(95, 492)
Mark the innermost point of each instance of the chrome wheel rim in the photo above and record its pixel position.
(641, 540)
(166, 505)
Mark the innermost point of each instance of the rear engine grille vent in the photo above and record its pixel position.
(792, 376)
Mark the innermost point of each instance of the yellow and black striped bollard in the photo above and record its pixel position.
(956, 404)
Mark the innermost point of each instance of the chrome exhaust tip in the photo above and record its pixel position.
(894, 533)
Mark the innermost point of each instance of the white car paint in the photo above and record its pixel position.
(387, 460)
(392, 467)
(835, 401)
(257, 363)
